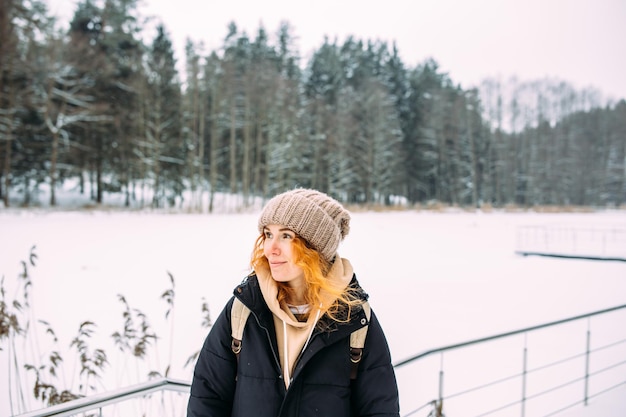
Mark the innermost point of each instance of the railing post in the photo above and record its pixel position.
(587, 360)
(439, 412)
(524, 373)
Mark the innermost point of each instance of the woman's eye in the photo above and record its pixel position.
(287, 236)
(268, 235)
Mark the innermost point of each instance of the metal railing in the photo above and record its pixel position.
(498, 403)
(435, 405)
(565, 241)
(99, 401)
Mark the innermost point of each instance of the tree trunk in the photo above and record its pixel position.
(233, 147)
(6, 67)
(474, 156)
(247, 143)
(200, 156)
(258, 159)
(99, 159)
(213, 154)
(7, 167)
(8, 152)
(53, 167)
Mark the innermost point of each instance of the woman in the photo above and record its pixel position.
(296, 357)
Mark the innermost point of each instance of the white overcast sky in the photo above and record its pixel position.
(582, 42)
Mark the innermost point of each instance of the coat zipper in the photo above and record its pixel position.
(269, 341)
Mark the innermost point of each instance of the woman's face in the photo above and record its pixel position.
(278, 249)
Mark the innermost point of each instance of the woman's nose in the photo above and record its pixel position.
(273, 246)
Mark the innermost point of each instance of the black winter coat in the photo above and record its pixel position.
(321, 384)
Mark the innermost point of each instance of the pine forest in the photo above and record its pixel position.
(103, 103)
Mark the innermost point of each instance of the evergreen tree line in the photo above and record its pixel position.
(98, 103)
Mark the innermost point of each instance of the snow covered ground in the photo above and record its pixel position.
(434, 279)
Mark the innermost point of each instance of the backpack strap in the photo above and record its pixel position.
(357, 342)
(239, 316)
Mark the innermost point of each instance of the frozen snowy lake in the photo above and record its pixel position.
(434, 279)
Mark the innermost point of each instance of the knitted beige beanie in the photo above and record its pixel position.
(316, 217)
